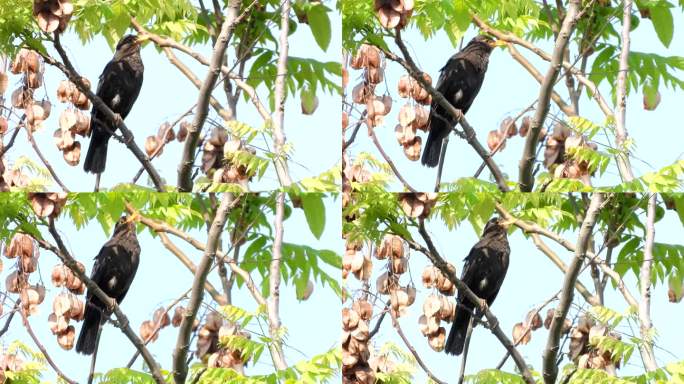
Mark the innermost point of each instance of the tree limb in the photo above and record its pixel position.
(550, 369)
(280, 95)
(275, 346)
(44, 160)
(526, 178)
(180, 367)
(646, 326)
(621, 134)
(185, 167)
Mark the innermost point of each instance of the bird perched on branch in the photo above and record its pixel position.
(459, 82)
(484, 272)
(113, 272)
(119, 86)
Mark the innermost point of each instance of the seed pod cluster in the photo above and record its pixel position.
(212, 150)
(392, 250)
(22, 248)
(393, 13)
(355, 338)
(65, 307)
(417, 204)
(351, 173)
(357, 262)
(53, 15)
(582, 349)
(11, 177)
(226, 357)
(233, 171)
(370, 60)
(10, 362)
(29, 65)
(572, 168)
(411, 118)
(68, 92)
(72, 121)
(437, 307)
(47, 204)
(149, 329)
(411, 88)
(522, 332)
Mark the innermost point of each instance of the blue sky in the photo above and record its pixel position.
(313, 325)
(166, 94)
(531, 280)
(507, 90)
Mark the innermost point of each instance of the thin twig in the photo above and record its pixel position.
(42, 349)
(280, 94)
(466, 346)
(44, 160)
(389, 161)
(11, 141)
(355, 131)
(621, 134)
(10, 317)
(395, 323)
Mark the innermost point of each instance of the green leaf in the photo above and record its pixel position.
(661, 16)
(314, 210)
(320, 25)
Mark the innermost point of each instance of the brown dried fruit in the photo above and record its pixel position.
(508, 127)
(161, 317)
(177, 316)
(495, 141)
(525, 126)
(72, 154)
(3, 125)
(437, 340)
(151, 145)
(412, 148)
(147, 331)
(534, 320)
(521, 334)
(66, 339)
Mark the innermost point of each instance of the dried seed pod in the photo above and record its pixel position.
(525, 126)
(66, 339)
(61, 304)
(213, 322)
(521, 334)
(72, 154)
(77, 310)
(151, 145)
(385, 283)
(361, 331)
(422, 116)
(177, 316)
(3, 125)
(4, 82)
(432, 305)
(495, 140)
(508, 127)
(363, 308)
(534, 320)
(34, 80)
(399, 265)
(437, 340)
(161, 317)
(147, 331)
(350, 319)
(183, 131)
(28, 264)
(412, 148)
(360, 93)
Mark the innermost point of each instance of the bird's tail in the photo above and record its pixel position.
(87, 339)
(433, 145)
(457, 334)
(96, 158)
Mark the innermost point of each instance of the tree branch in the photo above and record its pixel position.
(280, 95)
(180, 367)
(395, 323)
(44, 160)
(273, 306)
(526, 178)
(122, 321)
(389, 161)
(43, 350)
(550, 369)
(68, 69)
(185, 167)
(646, 326)
(621, 134)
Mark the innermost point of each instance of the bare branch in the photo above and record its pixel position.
(122, 321)
(466, 347)
(44, 160)
(646, 326)
(180, 367)
(280, 94)
(389, 161)
(191, 142)
(550, 369)
(526, 178)
(273, 306)
(395, 323)
(43, 350)
(621, 134)
(68, 69)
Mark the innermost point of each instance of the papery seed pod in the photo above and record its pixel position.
(437, 340)
(66, 339)
(161, 317)
(521, 334)
(363, 308)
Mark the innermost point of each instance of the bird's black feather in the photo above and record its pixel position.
(119, 87)
(483, 272)
(459, 82)
(114, 269)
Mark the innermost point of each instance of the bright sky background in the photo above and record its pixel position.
(313, 325)
(507, 90)
(531, 280)
(166, 95)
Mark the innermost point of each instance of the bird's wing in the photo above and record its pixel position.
(459, 82)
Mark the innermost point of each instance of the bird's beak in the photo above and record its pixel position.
(133, 217)
(142, 38)
(496, 43)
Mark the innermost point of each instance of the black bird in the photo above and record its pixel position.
(460, 81)
(119, 86)
(484, 272)
(113, 272)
